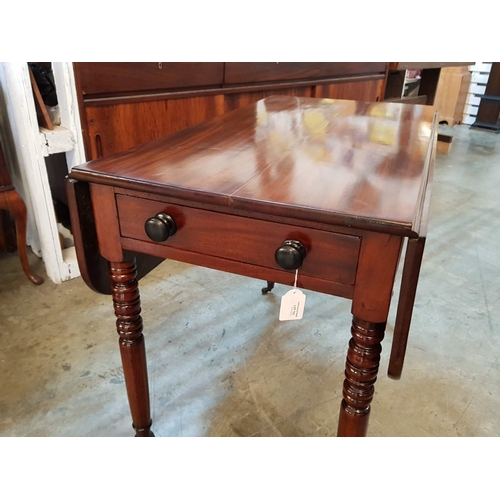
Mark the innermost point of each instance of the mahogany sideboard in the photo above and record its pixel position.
(332, 188)
(125, 104)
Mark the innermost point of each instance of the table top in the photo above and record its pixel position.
(356, 164)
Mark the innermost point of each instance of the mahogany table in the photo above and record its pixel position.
(331, 187)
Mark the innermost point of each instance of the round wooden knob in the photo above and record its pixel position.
(160, 227)
(290, 255)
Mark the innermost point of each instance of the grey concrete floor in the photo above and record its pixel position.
(221, 364)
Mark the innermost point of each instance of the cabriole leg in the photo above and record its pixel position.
(11, 201)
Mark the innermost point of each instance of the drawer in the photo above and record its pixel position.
(236, 73)
(330, 256)
(114, 77)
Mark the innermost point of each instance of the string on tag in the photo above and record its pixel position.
(292, 303)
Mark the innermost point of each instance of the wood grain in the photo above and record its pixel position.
(348, 179)
(367, 90)
(118, 127)
(136, 96)
(331, 160)
(11, 202)
(330, 256)
(127, 306)
(121, 77)
(106, 222)
(236, 72)
(377, 266)
(41, 111)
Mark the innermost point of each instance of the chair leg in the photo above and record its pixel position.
(268, 288)
(11, 201)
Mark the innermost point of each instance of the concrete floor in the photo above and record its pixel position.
(221, 364)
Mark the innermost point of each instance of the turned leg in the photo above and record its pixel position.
(127, 305)
(362, 363)
(11, 201)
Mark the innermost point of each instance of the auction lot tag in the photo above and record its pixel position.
(292, 305)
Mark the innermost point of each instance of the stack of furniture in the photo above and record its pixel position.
(429, 76)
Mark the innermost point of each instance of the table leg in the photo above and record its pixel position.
(127, 306)
(362, 363)
(409, 282)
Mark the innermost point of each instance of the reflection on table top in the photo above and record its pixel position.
(355, 163)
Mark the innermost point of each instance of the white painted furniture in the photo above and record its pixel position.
(26, 145)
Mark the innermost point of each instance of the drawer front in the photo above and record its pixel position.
(113, 77)
(237, 73)
(330, 256)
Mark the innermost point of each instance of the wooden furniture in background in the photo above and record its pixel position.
(451, 94)
(13, 203)
(488, 114)
(335, 185)
(41, 111)
(125, 104)
(429, 79)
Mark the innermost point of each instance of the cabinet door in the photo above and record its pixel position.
(367, 90)
(116, 127)
(240, 99)
(451, 94)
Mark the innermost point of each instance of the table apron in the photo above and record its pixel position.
(235, 242)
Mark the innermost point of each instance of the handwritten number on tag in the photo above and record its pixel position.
(292, 305)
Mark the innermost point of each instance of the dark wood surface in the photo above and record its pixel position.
(41, 111)
(363, 90)
(428, 84)
(285, 153)
(245, 97)
(121, 77)
(125, 104)
(348, 180)
(93, 267)
(103, 78)
(237, 72)
(113, 125)
(127, 306)
(411, 271)
(5, 182)
(7, 228)
(117, 127)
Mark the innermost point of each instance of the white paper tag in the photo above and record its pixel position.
(292, 305)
